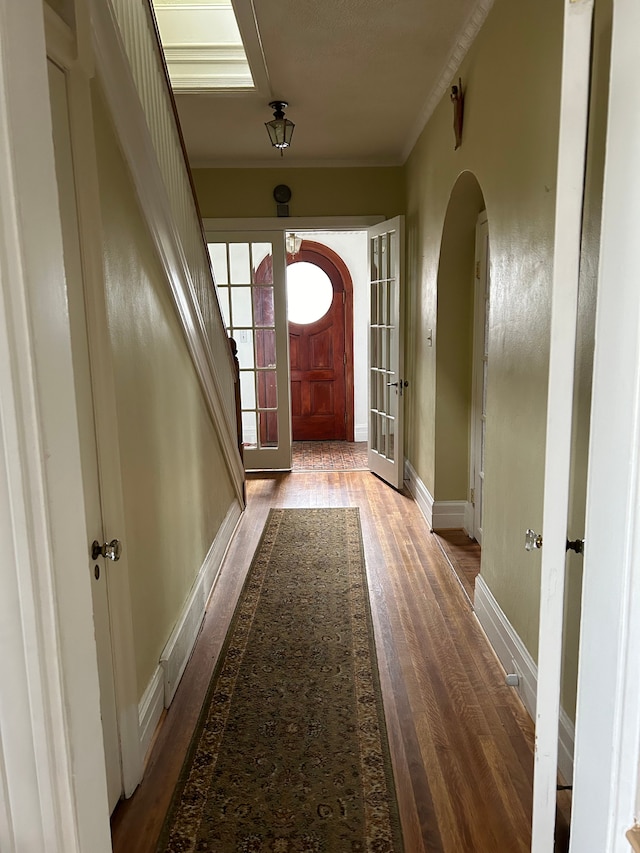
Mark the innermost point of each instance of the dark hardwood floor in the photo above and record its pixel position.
(461, 740)
(463, 555)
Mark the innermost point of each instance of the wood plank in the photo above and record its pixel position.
(461, 741)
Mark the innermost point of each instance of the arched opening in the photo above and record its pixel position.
(461, 401)
(320, 304)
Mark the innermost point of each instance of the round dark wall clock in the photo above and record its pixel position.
(282, 193)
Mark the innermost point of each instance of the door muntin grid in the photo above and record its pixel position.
(243, 272)
(383, 341)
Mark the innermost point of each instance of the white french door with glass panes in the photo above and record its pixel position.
(249, 271)
(386, 379)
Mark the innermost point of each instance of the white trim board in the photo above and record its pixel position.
(606, 786)
(292, 223)
(177, 651)
(449, 515)
(52, 760)
(514, 657)
(150, 710)
(420, 492)
(164, 682)
(361, 432)
(439, 515)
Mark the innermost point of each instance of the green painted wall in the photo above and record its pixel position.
(315, 192)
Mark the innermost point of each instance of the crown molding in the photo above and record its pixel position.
(463, 42)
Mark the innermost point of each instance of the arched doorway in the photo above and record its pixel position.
(320, 305)
(461, 360)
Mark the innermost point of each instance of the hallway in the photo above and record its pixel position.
(460, 739)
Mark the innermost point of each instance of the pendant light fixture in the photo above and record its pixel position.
(293, 242)
(280, 129)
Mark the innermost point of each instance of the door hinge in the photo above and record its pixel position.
(473, 497)
(344, 297)
(344, 358)
(478, 270)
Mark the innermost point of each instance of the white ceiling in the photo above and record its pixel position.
(361, 78)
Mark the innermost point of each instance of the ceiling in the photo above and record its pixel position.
(361, 78)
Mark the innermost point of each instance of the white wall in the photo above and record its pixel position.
(352, 248)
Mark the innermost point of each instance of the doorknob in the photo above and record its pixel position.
(400, 384)
(576, 545)
(532, 540)
(110, 550)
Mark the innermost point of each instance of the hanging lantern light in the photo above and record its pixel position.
(293, 242)
(280, 129)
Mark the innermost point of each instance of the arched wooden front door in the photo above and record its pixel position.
(321, 357)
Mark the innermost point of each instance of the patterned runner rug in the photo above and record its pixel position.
(290, 752)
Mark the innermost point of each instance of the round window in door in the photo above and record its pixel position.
(309, 293)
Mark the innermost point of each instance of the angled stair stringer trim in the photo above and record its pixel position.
(133, 133)
(514, 657)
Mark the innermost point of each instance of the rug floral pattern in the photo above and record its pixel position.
(290, 753)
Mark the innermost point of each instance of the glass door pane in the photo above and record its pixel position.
(249, 274)
(386, 383)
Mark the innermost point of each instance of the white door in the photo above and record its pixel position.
(564, 301)
(89, 457)
(249, 271)
(387, 385)
(480, 367)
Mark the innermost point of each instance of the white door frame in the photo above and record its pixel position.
(390, 313)
(322, 224)
(607, 744)
(51, 750)
(478, 394)
(76, 290)
(78, 72)
(574, 101)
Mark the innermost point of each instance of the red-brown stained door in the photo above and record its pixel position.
(317, 365)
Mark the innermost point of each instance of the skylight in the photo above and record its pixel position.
(202, 45)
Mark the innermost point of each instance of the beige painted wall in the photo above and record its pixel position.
(314, 192)
(511, 79)
(177, 490)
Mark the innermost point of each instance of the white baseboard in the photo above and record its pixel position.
(176, 653)
(440, 515)
(360, 432)
(420, 492)
(150, 709)
(449, 515)
(514, 657)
